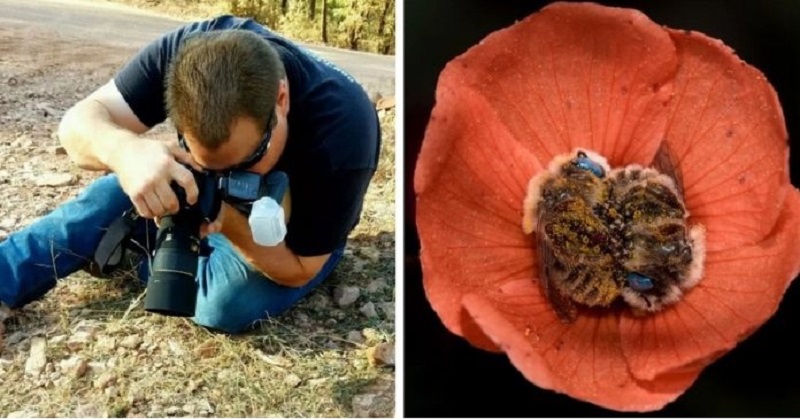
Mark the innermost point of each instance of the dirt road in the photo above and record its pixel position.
(98, 22)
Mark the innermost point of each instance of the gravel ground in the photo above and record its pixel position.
(88, 348)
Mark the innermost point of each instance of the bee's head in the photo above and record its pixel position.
(579, 163)
(583, 163)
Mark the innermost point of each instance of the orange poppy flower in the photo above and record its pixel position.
(609, 80)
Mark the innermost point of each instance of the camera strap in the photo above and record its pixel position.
(109, 252)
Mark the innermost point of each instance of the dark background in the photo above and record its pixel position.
(445, 376)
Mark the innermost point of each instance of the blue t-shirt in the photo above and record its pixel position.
(334, 135)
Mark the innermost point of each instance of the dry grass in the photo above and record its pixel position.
(300, 364)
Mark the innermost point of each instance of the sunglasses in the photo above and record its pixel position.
(250, 161)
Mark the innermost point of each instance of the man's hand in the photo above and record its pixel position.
(216, 225)
(147, 167)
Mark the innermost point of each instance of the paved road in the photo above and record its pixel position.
(112, 24)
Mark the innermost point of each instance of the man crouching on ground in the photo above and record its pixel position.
(241, 98)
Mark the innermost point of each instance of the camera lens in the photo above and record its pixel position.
(171, 289)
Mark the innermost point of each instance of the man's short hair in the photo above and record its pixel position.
(218, 76)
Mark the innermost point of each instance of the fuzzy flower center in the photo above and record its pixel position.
(606, 235)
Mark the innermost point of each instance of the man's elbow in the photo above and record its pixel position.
(69, 137)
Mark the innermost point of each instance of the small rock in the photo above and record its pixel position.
(55, 179)
(97, 366)
(368, 310)
(41, 209)
(345, 295)
(189, 409)
(207, 407)
(75, 366)
(37, 358)
(363, 405)
(49, 368)
(3, 234)
(8, 224)
(319, 301)
(57, 340)
(376, 286)
(194, 385)
(387, 309)
(112, 391)
(105, 380)
(173, 410)
(292, 380)
(371, 253)
(337, 314)
(176, 348)
(106, 343)
(48, 109)
(89, 326)
(112, 362)
(16, 337)
(131, 342)
(57, 150)
(355, 337)
(381, 355)
(79, 340)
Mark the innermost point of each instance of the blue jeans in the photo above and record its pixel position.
(231, 294)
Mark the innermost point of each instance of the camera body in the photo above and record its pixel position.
(171, 289)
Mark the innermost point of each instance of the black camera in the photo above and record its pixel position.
(171, 289)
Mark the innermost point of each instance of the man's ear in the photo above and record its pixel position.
(283, 96)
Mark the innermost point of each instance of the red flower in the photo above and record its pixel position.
(612, 81)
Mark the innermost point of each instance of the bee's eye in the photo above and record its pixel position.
(639, 282)
(668, 248)
(585, 163)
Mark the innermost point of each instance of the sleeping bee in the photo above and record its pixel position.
(663, 254)
(574, 241)
(605, 235)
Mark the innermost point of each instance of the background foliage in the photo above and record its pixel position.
(364, 25)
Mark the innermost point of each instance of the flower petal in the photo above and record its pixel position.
(582, 359)
(577, 75)
(469, 199)
(727, 132)
(742, 288)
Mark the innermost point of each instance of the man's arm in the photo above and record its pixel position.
(98, 128)
(102, 132)
(279, 263)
